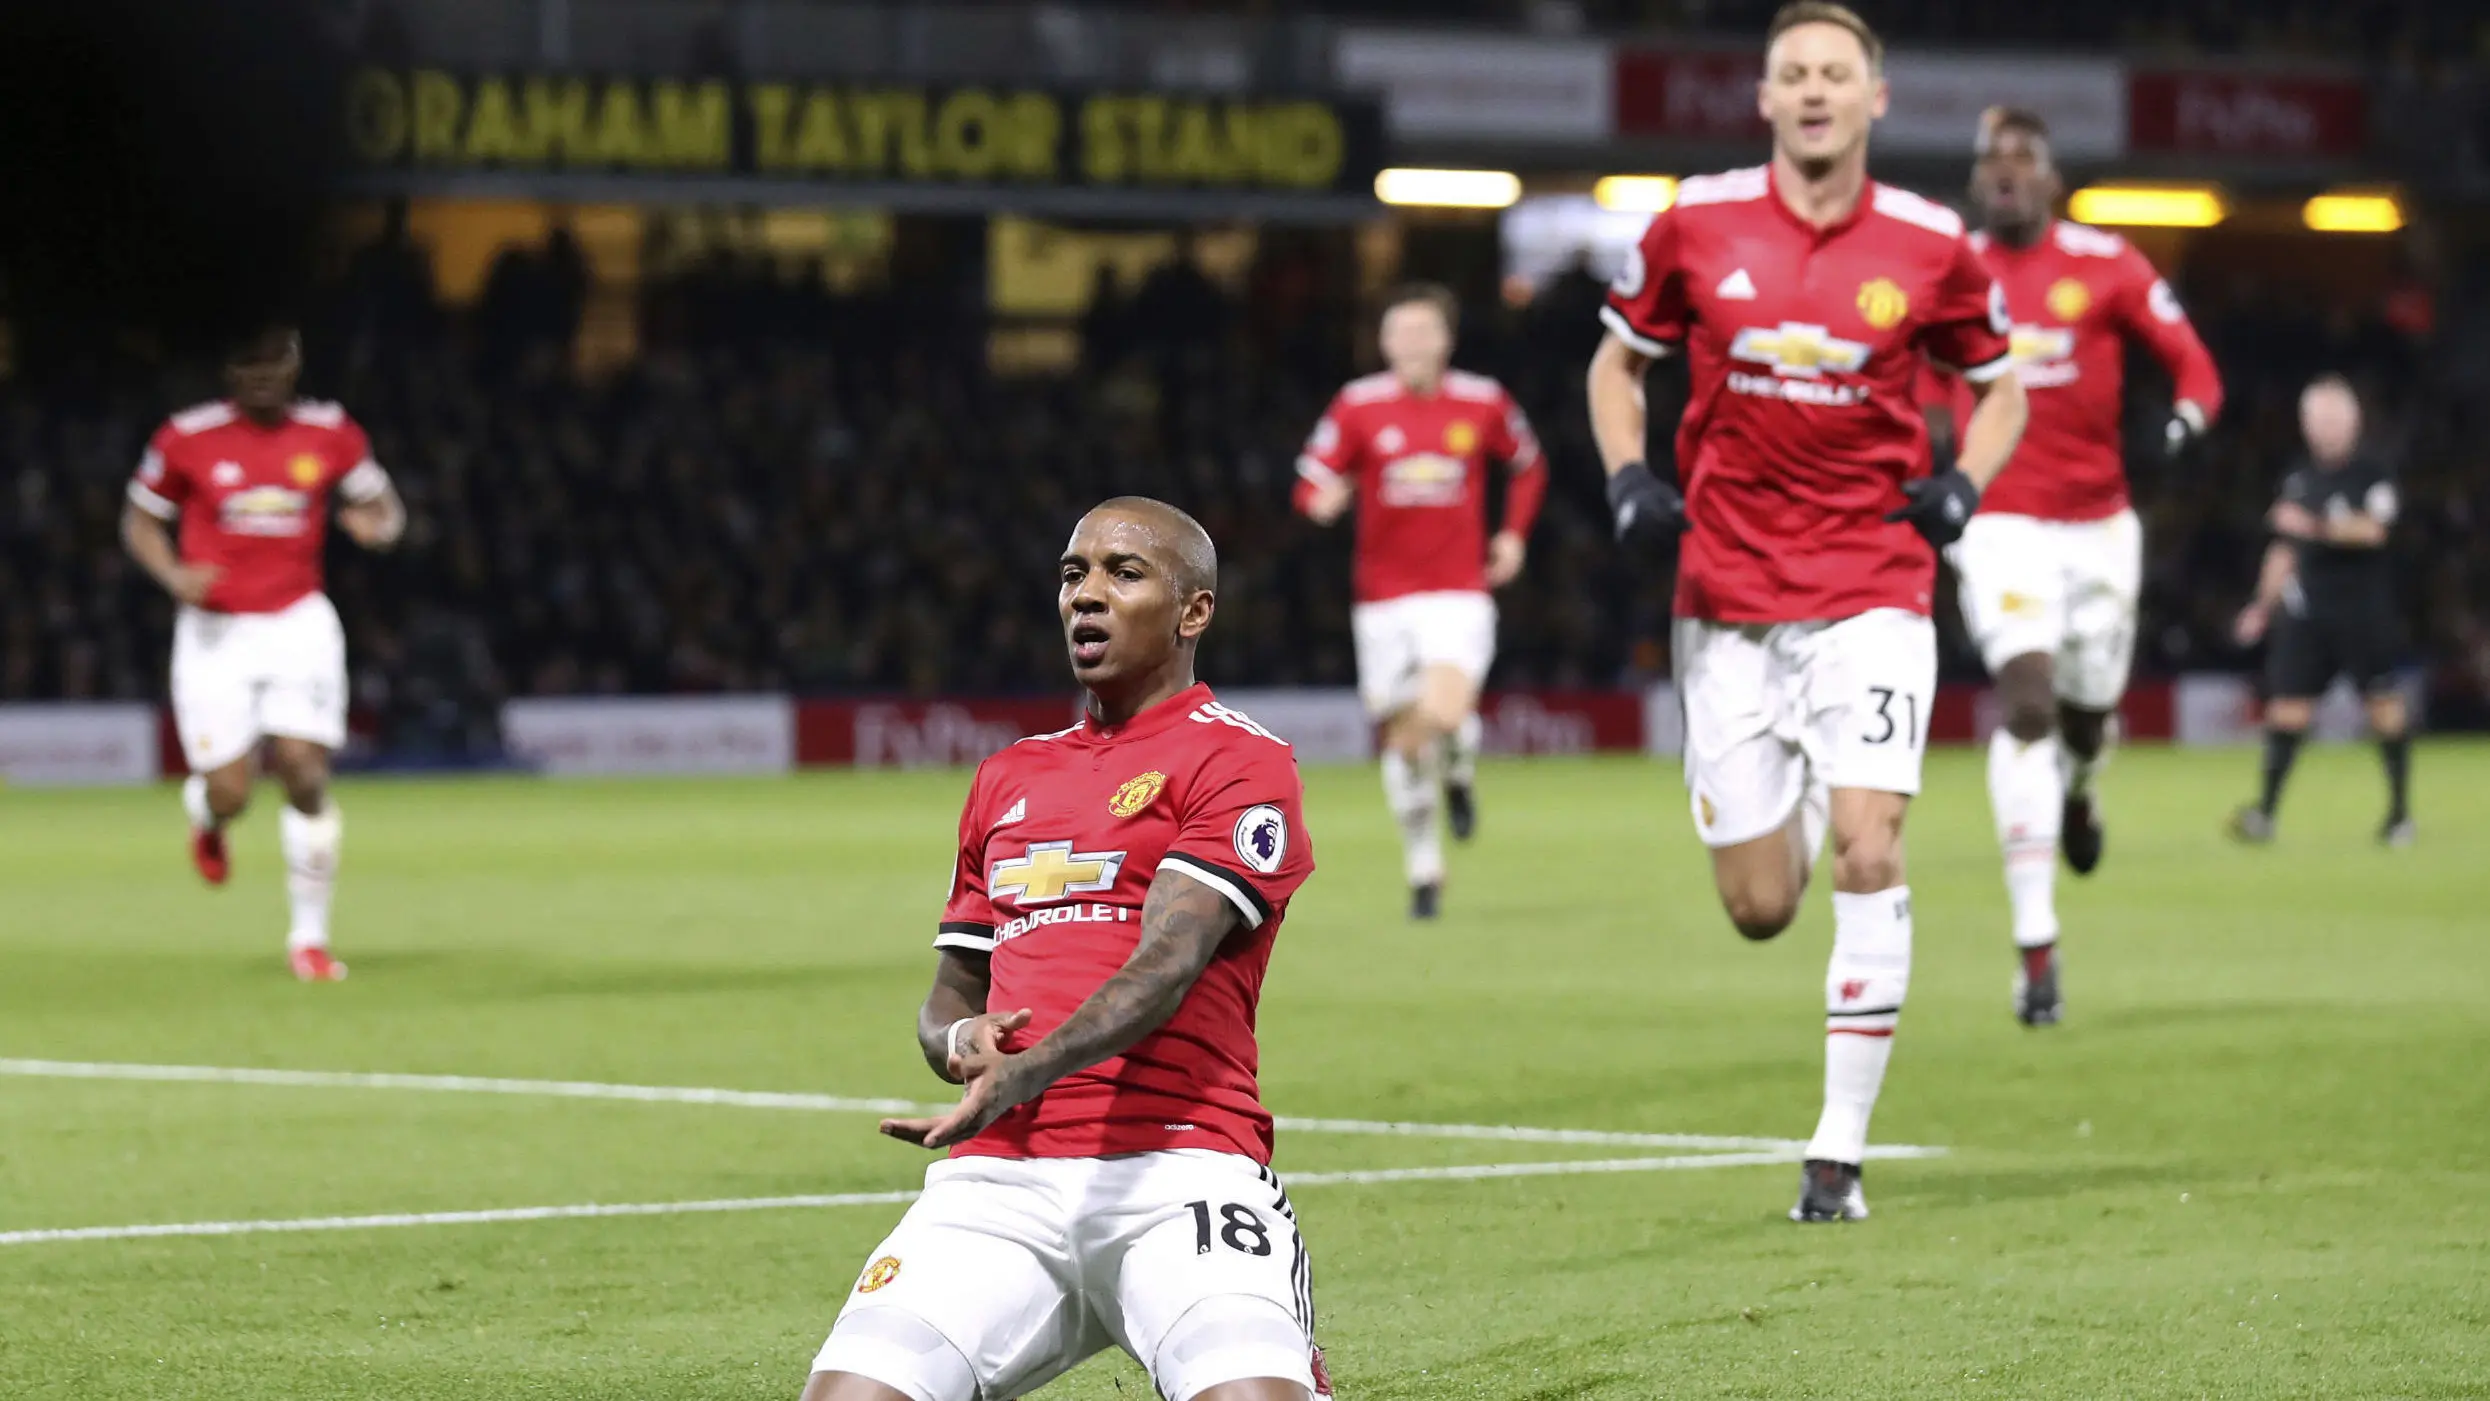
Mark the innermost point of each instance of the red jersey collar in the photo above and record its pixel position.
(1165, 714)
(1819, 232)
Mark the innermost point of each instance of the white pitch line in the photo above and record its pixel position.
(1470, 1172)
(836, 1104)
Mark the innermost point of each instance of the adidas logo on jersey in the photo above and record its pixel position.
(1018, 811)
(1736, 287)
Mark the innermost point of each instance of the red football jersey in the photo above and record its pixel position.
(1802, 345)
(1059, 841)
(2075, 297)
(1419, 466)
(253, 500)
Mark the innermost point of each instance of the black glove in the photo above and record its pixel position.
(2187, 424)
(1651, 513)
(1939, 506)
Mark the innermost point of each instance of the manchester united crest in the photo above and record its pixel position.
(305, 469)
(2069, 299)
(1460, 438)
(1137, 793)
(1883, 303)
(879, 1273)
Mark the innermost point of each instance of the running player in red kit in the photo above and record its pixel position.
(257, 649)
(2051, 566)
(1118, 888)
(1409, 449)
(1803, 295)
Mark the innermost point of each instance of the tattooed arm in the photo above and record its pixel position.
(1183, 923)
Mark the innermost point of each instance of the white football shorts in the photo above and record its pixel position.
(1398, 638)
(2064, 589)
(238, 677)
(1009, 1272)
(1772, 706)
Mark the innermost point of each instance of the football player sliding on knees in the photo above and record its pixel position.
(1802, 296)
(2051, 566)
(1113, 906)
(258, 653)
(1408, 450)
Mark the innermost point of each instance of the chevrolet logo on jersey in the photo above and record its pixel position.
(1053, 870)
(1424, 479)
(1795, 348)
(2043, 356)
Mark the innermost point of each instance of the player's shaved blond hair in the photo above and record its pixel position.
(1799, 12)
(1194, 560)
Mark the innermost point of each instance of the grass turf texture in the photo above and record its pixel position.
(2251, 1164)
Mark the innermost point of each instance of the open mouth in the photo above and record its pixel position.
(1089, 642)
(1815, 128)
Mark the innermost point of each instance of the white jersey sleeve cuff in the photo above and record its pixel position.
(1624, 330)
(1315, 471)
(1982, 374)
(1247, 900)
(367, 482)
(151, 503)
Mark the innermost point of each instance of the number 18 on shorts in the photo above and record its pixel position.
(1768, 705)
(1009, 1272)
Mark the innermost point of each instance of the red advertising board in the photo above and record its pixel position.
(1706, 95)
(920, 734)
(1562, 722)
(2247, 114)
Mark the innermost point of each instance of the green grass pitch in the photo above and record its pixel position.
(2255, 1162)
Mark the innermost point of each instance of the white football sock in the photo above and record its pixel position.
(195, 803)
(2077, 774)
(1461, 751)
(1863, 991)
(1414, 792)
(310, 845)
(2025, 795)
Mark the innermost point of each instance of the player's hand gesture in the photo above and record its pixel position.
(1938, 506)
(996, 1086)
(1650, 513)
(2251, 624)
(190, 583)
(1330, 501)
(1505, 553)
(980, 1039)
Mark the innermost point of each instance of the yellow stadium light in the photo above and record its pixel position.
(2348, 212)
(1448, 189)
(1642, 194)
(2149, 206)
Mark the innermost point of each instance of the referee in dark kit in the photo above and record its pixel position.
(2328, 597)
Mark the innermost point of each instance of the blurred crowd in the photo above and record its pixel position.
(791, 489)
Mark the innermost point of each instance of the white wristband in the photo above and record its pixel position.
(952, 1037)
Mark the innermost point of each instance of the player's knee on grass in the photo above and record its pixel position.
(1867, 840)
(229, 789)
(1760, 886)
(1234, 1347)
(2083, 731)
(303, 767)
(889, 1355)
(2027, 688)
(2290, 714)
(2387, 719)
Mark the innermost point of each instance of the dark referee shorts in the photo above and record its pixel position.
(2309, 651)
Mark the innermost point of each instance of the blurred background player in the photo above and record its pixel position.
(1409, 449)
(2052, 564)
(1118, 889)
(2327, 572)
(1803, 295)
(258, 652)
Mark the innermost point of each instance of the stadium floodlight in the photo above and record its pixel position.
(2354, 211)
(1642, 194)
(1448, 189)
(2149, 206)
